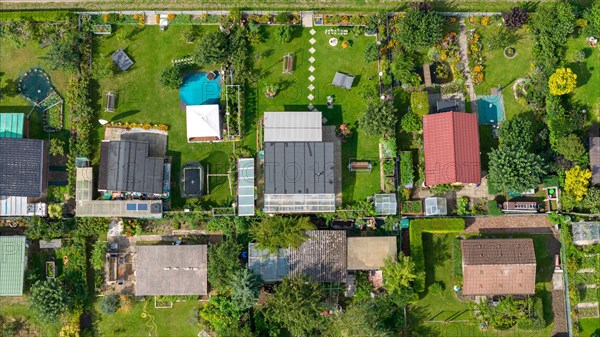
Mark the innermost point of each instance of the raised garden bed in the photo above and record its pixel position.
(389, 184)
(50, 269)
(411, 207)
(407, 174)
(389, 167)
(102, 29)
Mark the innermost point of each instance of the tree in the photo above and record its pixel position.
(244, 288)
(411, 122)
(403, 70)
(48, 299)
(420, 29)
(371, 52)
(577, 181)
(277, 232)
(109, 303)
(592, 15)
(515, 18)
(221, 313)
(171, 78)
(550, 27)
(501, 38)
(379, 119)
(283, 33)
(514, 169)
(571, 148)
(223, 264)
(64, 55)
(562, 82)
(55, 211)
(189, 34)
(57, 147)
(295, 306)
(398, 274)
(517, 131)
(211, 49)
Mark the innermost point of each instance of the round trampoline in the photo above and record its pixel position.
(35, 85)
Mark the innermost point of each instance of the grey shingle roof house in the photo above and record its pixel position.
(498, 267)
(23, 167)
(126, 167)
(171, 270)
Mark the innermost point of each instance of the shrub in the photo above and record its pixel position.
(283, 34)
(535, 320)
(282, 18)
(419, 103)
(407, 174)
(55, 211)
(411, 122)
(462, 206)
(416, 229)
(515, 19)
(493, 208)
(171, 77)
(108, 304)
(371, 52)
(436, 289)
(562, 82)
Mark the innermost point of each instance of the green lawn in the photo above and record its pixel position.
(142, 99)
(455, 312)
(589, 326)
(348, 105)
(588, 75)
(19, 309)
(181, 320)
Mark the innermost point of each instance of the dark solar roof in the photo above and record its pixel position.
(121, 59)
(22, 167)
(299, 168)
(126, 167)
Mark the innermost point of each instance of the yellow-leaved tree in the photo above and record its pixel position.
(577, 182)
(562, 82)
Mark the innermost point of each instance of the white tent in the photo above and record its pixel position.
(203, 123)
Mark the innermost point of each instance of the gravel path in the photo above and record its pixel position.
(464, 56)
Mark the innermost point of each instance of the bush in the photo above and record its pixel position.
(416, 229)
(407, 174)
(535, 320)
(493, 208)
(282, 18)
(108, 304)
(411, 122)
(371, 52)
(171, 77)
(57, 147)
(419, 103)
(436, 289)
(462, 206)
(283, 34)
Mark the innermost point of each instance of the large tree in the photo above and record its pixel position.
(223, 264)
(513, 168)
(296, 306)
(571, 148)
(244, 288)
(592, 15)
(399, 274)
(211, 49)
(277, 232)
(516, 132)
(562, 82)
(551, 26)
(379, 119)
(420, 29)
(373, 317)
(49, 299)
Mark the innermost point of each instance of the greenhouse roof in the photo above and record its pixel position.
(12, 268)
(586, 233)
(11, 125)
(385, 204)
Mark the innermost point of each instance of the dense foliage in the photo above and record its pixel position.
(400, 273)
(223, 264)
(551, 26)
(577, 181)
(513, 168)
(420, 29)
(277, 232)
(379, 119)
(562, 82)
(283, 33)
(592, 15)
(48, 299)
(411, 122)
(211, 49)
(244, 288)
(171, 77)
(571, 148)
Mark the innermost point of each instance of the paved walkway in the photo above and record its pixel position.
(464, 56)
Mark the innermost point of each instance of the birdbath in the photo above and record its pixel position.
(333, 42)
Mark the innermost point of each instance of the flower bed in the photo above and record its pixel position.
(411, 207)
(476, 57)
(53, 118)
(146, 126)
(389, 167)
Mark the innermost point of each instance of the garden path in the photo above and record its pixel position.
(464, 56)
(311, 68)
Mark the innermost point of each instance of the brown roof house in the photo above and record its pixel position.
(493, 267)
(171, 270)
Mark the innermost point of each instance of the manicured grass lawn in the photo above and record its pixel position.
(16, 61)
(348, 104)
(446, 306)
(142, 99)
(181, 320)
(504, 71)
(18, 308)
(588, 75)
(589, 326)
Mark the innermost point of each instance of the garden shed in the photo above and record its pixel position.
(435, 206)
(343, 80)
(203, 123)
(293, 126)
(12, 125)
(12, 268)
(121, 59)
(385, 204)
(586, 233)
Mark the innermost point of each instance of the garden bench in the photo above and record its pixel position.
(360, 166)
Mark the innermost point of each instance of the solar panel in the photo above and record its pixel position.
(142, 207)
(131, 207)
(246, 187)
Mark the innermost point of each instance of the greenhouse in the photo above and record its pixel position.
(586, 233)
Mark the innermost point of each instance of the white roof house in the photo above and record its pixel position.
(203, 123)
(293, 126)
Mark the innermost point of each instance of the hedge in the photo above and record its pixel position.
(457, 260)
(416, 230)
(36, 16)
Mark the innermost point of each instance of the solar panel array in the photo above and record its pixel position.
(246, 187)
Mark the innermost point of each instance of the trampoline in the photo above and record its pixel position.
(490, 109)
(198, 89)
(192, 180)
(35, 85)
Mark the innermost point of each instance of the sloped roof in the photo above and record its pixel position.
(451, 142)
(323, 256)
(126, 167)
(203, 122)
(12, 268)
(498, 267)
(369, 253)
(270, 267)
(293, 126)
(595, 159)
(171, 270)
(23, 167)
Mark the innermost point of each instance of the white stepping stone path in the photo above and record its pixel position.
(311, 87)
(311, 78)
(312, 50)
(311, 59)
(310, 97)
(312, 40)
(313, 32)
(311, 69)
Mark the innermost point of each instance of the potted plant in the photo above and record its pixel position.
(271, 90)
(343, 132)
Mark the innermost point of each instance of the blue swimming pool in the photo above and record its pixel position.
(197, 89)
(490, 109)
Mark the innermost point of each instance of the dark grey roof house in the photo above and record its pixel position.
(171, 270)
(23, 167)
(126, 167)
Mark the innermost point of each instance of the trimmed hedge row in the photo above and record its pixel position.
(416, 230)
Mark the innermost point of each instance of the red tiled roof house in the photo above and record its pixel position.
(494, 267)
(451, 141)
